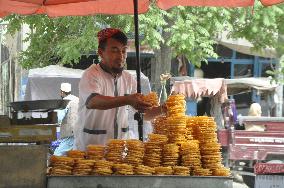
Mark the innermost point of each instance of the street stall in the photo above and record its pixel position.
(63, 8)
(155, 170)
(182, 151)
(35, 86)
(24, 138)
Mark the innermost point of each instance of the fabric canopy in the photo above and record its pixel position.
(166, 4)
(55, 8)
(271, 2)
(194, 87)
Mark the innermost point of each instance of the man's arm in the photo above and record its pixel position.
(107, 102)
(102, 102)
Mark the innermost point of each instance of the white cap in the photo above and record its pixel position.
(66, 87)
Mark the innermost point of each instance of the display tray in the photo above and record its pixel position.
(135, 181)
(28, 133)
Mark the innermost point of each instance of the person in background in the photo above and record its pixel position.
(105, 91)
(68, 122)
(254, 110)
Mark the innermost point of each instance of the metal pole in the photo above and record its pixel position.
(1, 98)
(138, 116)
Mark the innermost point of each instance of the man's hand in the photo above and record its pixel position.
(136, 101)
(155, 112)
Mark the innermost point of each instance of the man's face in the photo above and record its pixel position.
(114, 55)
(62, 94)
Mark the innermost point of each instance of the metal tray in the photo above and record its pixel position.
(39, 105)
(116, 181)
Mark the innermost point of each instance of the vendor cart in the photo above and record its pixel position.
(116, 181)
(24, 139)
(248, 151)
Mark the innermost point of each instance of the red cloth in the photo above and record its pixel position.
(268, 168)
(107, 33)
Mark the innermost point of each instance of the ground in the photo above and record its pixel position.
(239, 185)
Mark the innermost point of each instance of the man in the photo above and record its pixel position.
(105, 90)
(68, 122)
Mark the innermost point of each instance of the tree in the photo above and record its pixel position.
(263, 27)
(189, 31)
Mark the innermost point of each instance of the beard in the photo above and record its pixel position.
(117, 70)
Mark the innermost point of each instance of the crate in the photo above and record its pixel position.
(269, 181)
(23, 166)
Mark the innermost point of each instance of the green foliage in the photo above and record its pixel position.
(264, 28)
(151, 25)
(261, 27)
(51, 41)
(195, 31)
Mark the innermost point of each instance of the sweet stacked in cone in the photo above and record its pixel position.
(190, 155)
(176, 105)
(176, 119)
(61, 165)
(176, 129)
(123, 169)
(134, 152)
(76, 154)
(170, 155)
(95, 152)
(102, 167)
(199, 148)
(181, 171)
(151, 98)
(163, 170)
(210, 148)
(115, 150)
(144, 170)
(83, 167)
(159, 125)
(153, 150)
(189, 129)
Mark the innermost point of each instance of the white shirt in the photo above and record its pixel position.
(68, 122)
(98, 126)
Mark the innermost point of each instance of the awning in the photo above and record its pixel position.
(244, 46)
(195, 87)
